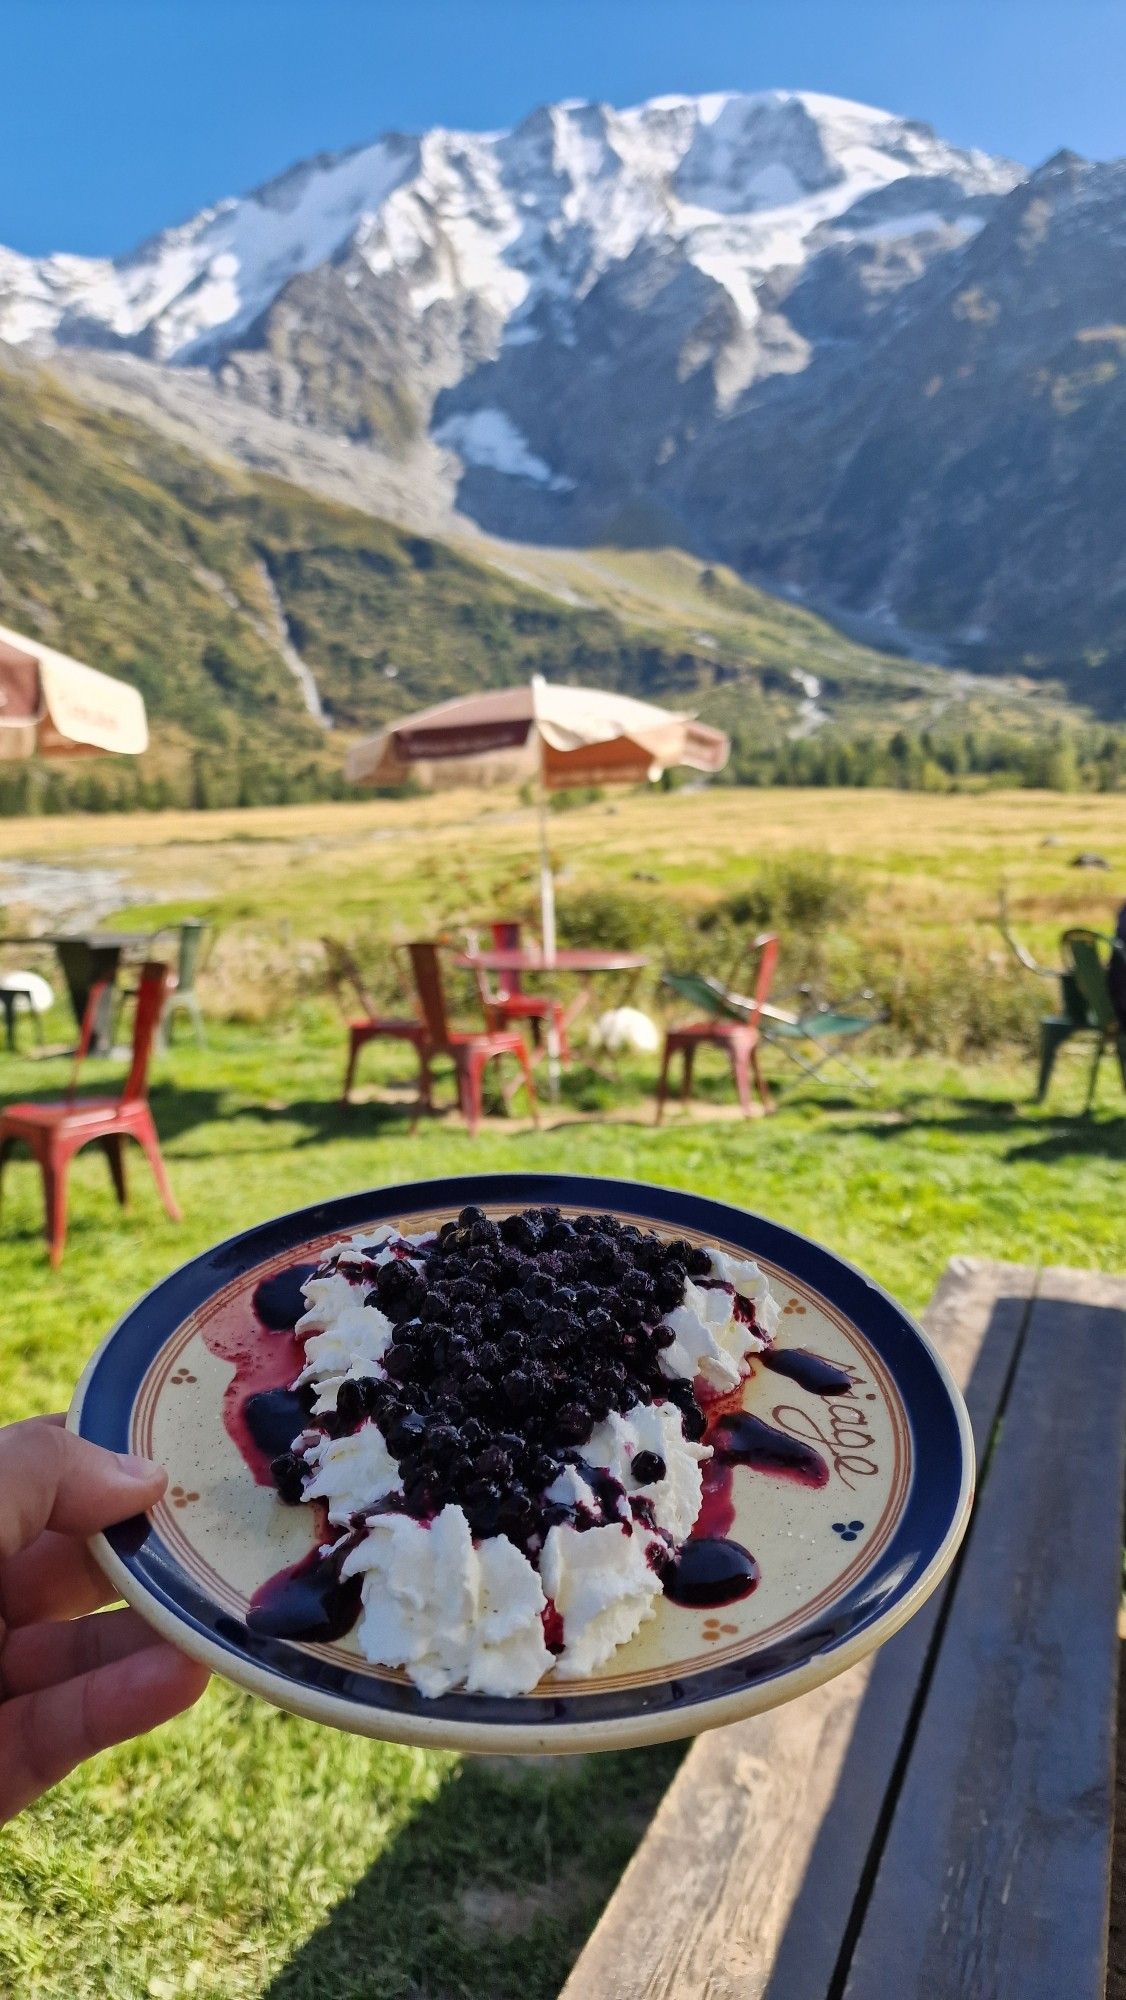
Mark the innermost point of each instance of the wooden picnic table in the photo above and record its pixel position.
(936, 1823)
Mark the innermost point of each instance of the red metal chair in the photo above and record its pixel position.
(739, 1037)
(344, 974)
(54, 1132)
(507, 1000)
(470, 1050)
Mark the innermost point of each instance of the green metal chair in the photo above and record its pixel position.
(191, 936)
(183, 997)
(1085, 972)
(1074, 1016)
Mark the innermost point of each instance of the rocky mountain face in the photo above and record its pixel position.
(866, 367)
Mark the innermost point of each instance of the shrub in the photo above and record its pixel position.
(625, 920)
(956, 999)
(802, 892)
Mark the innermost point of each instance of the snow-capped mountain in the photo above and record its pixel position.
(703, 319)
(519, 222)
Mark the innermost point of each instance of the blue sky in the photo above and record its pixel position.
(127, 115)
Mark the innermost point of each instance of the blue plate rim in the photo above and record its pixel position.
(879, 1601)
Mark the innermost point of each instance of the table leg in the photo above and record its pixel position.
(82, 965)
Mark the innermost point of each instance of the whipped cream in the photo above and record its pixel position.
(351, 1473)
(452, 1611)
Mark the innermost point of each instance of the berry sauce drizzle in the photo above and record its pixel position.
(279, 1301)
(742, 1439)
(552, 1627)
(810, 1371)
(267, 1357)
(309, 1600)
(710, 1570)
(272, 1418)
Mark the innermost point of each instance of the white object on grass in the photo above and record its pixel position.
(625, 1028)
(39, 995)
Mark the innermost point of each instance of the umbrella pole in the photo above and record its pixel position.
(547, 925)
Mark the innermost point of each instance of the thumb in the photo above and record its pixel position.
(51, 1479)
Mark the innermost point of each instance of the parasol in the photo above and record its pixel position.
(53, 706)
(555, 736)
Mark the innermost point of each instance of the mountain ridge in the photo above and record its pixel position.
(797, 334)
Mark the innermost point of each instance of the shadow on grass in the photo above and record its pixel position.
(491, 1889)
(1076, 1138)
(1044, 1136)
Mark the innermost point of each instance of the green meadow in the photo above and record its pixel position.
(240, 1852)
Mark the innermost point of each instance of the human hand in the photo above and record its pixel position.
(70, 1685)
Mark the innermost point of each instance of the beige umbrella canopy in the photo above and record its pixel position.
(557, 736)
(53, 706)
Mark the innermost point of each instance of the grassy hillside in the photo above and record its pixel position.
(189, 578)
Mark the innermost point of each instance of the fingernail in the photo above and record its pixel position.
(138, 1468)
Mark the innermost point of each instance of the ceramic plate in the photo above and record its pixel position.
(842, 1563)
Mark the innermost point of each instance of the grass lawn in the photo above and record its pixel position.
(240, 1852)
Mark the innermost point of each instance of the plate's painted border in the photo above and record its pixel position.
(882, 1599)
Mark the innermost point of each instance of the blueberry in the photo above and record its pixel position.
(288, 1474)
(407, 1431)
(669, 1287)
(400, 1363)
(648, 1467)
(493, 1463)
(477, 1391)
(693, 1422)
(521, 1232)
(420, 1494)
(350, 1402)
(484, 1518)
(399, 1288)
(573, 1422)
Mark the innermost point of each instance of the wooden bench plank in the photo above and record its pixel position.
(994, 1879)
(744, 1883)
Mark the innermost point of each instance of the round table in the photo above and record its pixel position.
(568, 958)
(581, 960)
